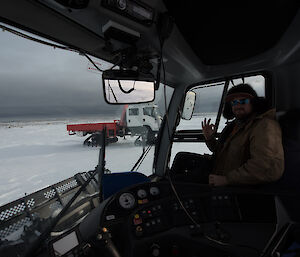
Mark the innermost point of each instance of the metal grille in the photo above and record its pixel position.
(67, 186)
(30, 203)
(12, 211)
(41, 204)
(50, 194)
(85, 176)
(4, 233)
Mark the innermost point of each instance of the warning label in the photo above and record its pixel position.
(101, 65)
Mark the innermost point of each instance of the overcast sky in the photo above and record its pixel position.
(37, 80)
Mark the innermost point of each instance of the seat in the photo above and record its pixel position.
(290, 125)
(191, 167)
(288, 186)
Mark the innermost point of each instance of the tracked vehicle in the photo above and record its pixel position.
(142, 121)
(184, 49)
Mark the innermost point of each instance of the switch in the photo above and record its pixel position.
(137, 219)
(155, 250)
(175, 250)
(139, 231)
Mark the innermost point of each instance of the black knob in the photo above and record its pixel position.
(155, 250)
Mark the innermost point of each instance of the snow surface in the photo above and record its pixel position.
(37, 154)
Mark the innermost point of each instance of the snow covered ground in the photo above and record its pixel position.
(37, 154)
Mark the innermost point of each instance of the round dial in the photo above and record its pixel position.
(154, 191)
(122, 4)
(142, 193)
(127, 200)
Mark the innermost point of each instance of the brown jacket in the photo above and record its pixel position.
(251, 153)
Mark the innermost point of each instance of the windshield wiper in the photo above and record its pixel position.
(142, 158)
(34, 246)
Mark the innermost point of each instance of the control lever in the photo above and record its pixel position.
(105, 237)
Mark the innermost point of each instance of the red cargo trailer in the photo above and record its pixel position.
(113, 130)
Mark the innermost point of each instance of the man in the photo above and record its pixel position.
(249, 149)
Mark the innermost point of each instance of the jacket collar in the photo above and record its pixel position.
(270, 114)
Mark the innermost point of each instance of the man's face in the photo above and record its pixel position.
(241, 108)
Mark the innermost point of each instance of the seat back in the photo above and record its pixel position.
(290, 125)
(191, 167)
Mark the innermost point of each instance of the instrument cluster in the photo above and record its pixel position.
(142, 195)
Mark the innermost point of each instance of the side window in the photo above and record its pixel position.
(208, 100)
(148, 111)
(256, 82)
(133, 112)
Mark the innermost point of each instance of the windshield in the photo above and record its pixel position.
(43, 92)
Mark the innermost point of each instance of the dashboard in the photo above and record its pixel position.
(149, 220)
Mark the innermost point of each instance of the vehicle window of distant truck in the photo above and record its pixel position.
(149, 111)
(134, 112)
(208, 99)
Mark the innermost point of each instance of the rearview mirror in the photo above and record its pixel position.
(127, 87)
(189, 104)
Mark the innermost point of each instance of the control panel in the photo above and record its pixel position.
(153, 208)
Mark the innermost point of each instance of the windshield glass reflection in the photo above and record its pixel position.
(128, 91)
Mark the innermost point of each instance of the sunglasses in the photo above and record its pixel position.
(241, 101)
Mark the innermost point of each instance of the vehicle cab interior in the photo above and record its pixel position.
(199, 50)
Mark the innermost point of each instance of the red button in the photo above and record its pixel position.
(137, 221)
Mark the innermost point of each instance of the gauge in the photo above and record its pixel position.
(154, 191)
(122, 4)
(142, 193)
(127, 200)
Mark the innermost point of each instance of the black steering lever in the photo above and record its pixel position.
(105, 237)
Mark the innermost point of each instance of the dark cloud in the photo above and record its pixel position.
(40, 81)
(37, 80)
